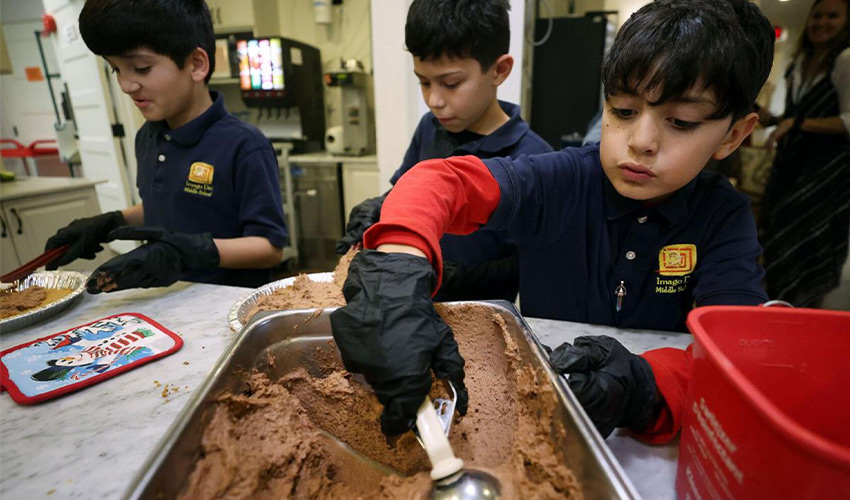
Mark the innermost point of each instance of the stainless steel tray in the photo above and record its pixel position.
(47, 279)
(274, 336)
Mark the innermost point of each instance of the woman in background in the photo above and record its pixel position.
(805, 224)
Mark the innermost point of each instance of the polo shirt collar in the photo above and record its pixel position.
(674, 210)
(510, 133)
(192, 132)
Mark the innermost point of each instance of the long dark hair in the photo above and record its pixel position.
(805, 48)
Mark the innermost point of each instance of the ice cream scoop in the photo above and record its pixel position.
(451, 480)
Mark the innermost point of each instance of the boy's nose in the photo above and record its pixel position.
(128, 85)
(644, 137)
(435, 99)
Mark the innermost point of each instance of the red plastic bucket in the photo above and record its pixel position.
(769, 408)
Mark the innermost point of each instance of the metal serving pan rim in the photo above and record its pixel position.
(605, 458)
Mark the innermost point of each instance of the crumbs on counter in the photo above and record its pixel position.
(51, 492)
(169, 389)
(185, 362)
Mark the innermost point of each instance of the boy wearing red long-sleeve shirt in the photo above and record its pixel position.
(628, 233)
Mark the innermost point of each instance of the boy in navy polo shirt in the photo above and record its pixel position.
(211, 205)
(460, 56)
(629, 232)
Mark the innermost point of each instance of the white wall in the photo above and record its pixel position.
(26, 105)
(12, 11)
(348, 37)
(396, 88)
(625, 8)
(510, 90)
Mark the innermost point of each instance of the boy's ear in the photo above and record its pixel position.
(199, 62)
(736, 135)
(503, 67)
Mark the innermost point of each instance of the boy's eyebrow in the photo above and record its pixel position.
(134, 55)
(692, 100)
(441, 75)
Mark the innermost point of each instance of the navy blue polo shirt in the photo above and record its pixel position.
(579, 240)
(215, 174)
(431, 140)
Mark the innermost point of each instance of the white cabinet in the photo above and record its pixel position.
(30, 216)
(259, 16)
(359, 182)
(8, 255)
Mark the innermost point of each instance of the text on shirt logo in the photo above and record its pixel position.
(200, 179)
(675, 263)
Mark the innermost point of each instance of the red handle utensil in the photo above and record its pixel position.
(28, 268)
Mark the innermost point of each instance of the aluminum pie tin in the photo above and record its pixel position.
(238, 315)
(61, 280)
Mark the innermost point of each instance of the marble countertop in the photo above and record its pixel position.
(651, 469)
(92, 443)
(29, 186)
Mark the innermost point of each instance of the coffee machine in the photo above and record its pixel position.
(348, 112)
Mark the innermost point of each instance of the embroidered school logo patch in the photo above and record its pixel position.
(201, 172)
(677, 260)
(200, 179)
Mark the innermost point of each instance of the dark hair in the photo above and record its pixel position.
(173, 28)
(841, 41)
(478, 29)
(672, 45)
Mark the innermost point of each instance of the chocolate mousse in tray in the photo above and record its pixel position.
(269, 421)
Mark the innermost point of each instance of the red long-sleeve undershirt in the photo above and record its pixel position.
(458, 195)
(672, 370)
(455, 195)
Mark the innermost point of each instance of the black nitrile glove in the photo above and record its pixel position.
(164, 259)
(491, 280)
(362, 216)
(615, 387)
(390, 332)
(85, 237)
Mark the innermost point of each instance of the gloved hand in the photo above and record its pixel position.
(390, 332)
(164, 259)
(615, 387)
(85, 237)
(362, 216)
(491, 280)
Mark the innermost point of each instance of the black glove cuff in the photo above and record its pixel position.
(646, 400)
(116, 219)
(207, 254)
